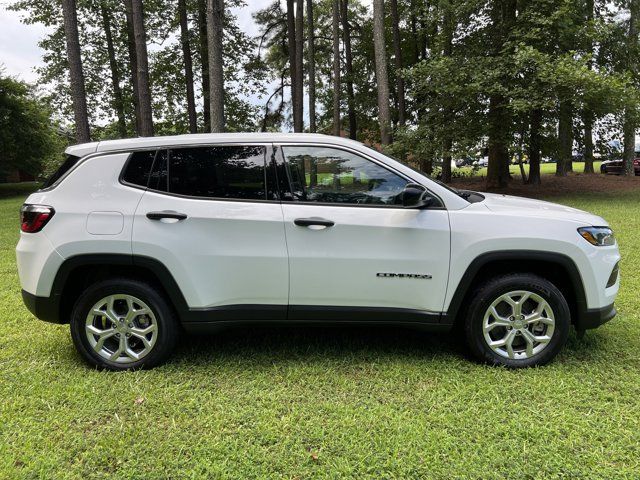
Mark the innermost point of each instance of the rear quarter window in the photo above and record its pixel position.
(69, 162)
(138, 168)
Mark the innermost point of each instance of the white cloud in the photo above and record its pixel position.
(19, 51)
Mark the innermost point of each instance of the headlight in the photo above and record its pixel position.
(598, 236)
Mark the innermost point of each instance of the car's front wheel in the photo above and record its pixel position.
(123, 324)
(518, 320)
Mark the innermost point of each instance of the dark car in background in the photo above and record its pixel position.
(616, 167)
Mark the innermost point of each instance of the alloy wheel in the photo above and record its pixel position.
(518, 325)
(121, 328)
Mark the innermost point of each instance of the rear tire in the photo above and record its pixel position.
(123, 324)
(517, 321)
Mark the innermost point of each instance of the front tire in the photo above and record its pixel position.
(123, 324)
(517, 320)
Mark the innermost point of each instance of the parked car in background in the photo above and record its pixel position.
(133, 241)
(616, 167)
(482, 162)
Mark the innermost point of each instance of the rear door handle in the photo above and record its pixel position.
(166, 214)
(307, 222)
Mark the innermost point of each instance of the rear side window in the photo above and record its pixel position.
(234, 172)
(138, 168)
(67, 165)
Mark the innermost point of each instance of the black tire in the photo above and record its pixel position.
(167, 328)
(493, 289)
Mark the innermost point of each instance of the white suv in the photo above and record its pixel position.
(133, 241)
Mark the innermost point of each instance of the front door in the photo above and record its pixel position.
(350, 241)
(209, 216)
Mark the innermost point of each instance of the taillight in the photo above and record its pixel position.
(33, 218)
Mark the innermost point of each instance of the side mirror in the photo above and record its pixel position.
(415, 196)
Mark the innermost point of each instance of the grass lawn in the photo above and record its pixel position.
(545, 169)
(323, 403)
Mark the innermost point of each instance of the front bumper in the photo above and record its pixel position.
(44, 308)
(594, 317)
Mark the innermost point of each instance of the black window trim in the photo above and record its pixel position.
(282, 159)
(267, 160)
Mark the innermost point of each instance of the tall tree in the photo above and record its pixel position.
(188, 65)
(535, 146)
(382, 78)
(133, 63)
(336, 66)
(397, 59)
(447, 51)
(215, 13)
(630, 113)
(204, 63)
(587, 113)
(118, 102)
(565, 135)
(144, 88)
(298, 107)
(78, 92)
(311, 62)
(348, 63)
(503, 14)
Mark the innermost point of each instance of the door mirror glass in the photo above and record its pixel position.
(415, 196)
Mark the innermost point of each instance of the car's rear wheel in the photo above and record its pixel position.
(518, 320)
(123, 324)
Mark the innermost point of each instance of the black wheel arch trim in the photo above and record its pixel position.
(581, 322)
(157, 268)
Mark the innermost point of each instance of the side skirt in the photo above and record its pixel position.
(214, 319)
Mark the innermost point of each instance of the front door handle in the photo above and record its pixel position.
(166, 214)
(307, 222)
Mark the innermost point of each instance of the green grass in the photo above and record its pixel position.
(323, 403)
(545, 169)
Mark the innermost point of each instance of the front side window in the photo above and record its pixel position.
(331, 175)
(234, 172)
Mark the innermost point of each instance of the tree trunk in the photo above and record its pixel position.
(311, 65)
(587, 114)
(336, 67)
(298, 117)
(78, 92)
(144, 89)
(630, 115)
(133, 63)
(397, 53)
(588, 141)
(188, 65)
(497, 174)
(447, 145)
(382, 78)
(293, 59)
(565, 138)
(215, 13)
(348, 58)
(118, 102)
(204, 64)
(503, 16)
(535, 145)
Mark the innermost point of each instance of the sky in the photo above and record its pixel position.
(20, 54)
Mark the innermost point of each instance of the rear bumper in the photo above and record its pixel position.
(593, 318)
(44, 308)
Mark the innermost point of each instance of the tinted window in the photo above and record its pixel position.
(138, 168)
(67, 165)
(220, 172)
(329, 175)
(158, 178)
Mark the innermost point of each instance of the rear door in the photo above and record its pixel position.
(350, 241)
(211, 219)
